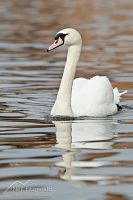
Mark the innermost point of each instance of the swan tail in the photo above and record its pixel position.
(117, 95)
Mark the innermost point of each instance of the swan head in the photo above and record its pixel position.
(66, 36)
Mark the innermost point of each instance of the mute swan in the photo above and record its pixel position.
(81, 97)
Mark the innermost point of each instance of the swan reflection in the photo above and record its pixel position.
(94, 134)
(76, 136)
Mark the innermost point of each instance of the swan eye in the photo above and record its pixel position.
(61, 35)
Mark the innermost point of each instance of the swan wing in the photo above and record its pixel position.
(93, 97)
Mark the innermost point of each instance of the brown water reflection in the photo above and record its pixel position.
(88, 159)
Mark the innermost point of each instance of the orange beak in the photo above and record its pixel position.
(56, 44)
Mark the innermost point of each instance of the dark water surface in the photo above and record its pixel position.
(83, 159)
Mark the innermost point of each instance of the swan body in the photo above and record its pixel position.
(94, 96)
(82, 97)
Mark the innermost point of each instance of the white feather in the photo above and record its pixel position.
(94, 96)
(117, 95)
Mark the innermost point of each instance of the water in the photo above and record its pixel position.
(81, 159)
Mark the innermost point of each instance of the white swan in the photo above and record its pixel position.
(81, 97)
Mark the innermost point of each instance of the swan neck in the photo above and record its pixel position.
(62, 104)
